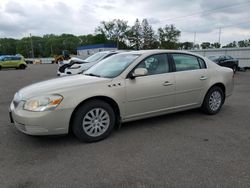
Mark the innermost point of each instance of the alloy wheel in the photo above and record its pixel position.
(96, 122)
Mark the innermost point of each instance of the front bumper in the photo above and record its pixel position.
(40, 123)
(61, 74)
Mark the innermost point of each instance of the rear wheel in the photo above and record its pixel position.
(234, 68)
(22, 66)
(213, 101)
(93, 121)
(0, 67)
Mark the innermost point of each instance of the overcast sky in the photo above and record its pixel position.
(18, 18)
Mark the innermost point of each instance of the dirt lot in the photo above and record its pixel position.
(187, 149)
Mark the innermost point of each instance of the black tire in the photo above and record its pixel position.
(0, 67)
(234, 68)
(81, 113)
(206, 107)
(22, 66)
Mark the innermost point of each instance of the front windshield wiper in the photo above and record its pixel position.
(91, 74)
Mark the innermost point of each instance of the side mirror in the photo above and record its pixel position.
(139, 72)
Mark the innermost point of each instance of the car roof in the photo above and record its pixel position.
(10, 56)
(149, 52)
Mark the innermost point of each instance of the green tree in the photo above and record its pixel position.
(216, 45)
(168, 37)
(186, 45)
(231, 45)
(135, 36)
(8, 46)
(92, 39)
(244, 43)
(23, 47)
(115, 30)
(196, 46)
(205, 45)
(148, 36)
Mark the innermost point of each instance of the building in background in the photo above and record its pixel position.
(85, 51)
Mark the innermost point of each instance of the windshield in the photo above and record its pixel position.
(113, 66)
(96, 57)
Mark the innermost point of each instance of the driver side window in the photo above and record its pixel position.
(155, 64)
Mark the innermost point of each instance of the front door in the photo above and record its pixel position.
(7, 62)
(152, 93)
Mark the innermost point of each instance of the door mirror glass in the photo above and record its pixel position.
(140, 72)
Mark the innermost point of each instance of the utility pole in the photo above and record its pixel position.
(117, 43)
(51, 49)
(32, 48)
(194, 39)
(219, 34)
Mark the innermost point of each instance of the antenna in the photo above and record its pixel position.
(219, 34)
(32, 48)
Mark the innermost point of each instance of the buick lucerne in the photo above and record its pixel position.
(125, 87)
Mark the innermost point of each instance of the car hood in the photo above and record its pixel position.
(55, 86)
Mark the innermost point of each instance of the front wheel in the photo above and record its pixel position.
(213, 101)
(93, 121)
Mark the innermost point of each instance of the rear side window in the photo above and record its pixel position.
(202, 63)
(184, 62)
(228, 57)
(16, 58)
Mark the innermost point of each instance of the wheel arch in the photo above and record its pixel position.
(219, 84)
(109, 100)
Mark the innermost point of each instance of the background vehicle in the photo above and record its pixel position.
(124, 87)
(63, 64)
(226, 61)
(78, 67)
(11, 61)
(28, 61)
(65, 56)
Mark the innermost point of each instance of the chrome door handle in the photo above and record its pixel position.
(167, 83)
(203, 78)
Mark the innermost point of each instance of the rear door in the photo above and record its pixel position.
(191, 78)
(15, 61)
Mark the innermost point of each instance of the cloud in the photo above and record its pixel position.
(79, 17)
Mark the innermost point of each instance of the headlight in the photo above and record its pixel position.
(43, 103)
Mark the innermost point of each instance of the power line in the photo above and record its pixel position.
(219, 34)
(216, 32)
(207, 11)
(248, 21)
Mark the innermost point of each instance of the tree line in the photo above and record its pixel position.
(139, 36)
